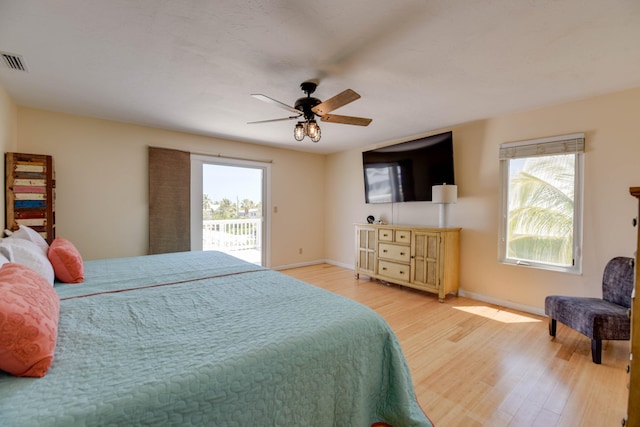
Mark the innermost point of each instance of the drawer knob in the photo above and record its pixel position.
(634, 221)
(384, 251)
(401, 253)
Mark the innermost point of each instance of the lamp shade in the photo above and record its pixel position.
(444, 193)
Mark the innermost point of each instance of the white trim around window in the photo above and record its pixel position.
(514, 155)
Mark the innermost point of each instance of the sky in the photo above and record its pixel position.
(231, 182)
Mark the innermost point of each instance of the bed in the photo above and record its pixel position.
(202, 338)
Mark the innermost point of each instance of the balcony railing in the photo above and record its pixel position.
(232, 234)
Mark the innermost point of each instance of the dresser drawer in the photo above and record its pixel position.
(385, 235)
(402, 236)
(395, 236)
(394, 252)
(393, 271)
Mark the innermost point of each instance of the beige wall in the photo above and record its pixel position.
(102, 185)
(102, 190)
(8, 136)
(610, 124)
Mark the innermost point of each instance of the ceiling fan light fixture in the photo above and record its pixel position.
(313, 130)
(316, 138)
(307, 108)
(299, 132)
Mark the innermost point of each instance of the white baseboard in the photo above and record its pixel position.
(503, 303)
(307, 263)
(339, 264)
(300, 264)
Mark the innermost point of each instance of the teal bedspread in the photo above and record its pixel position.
(201, 338)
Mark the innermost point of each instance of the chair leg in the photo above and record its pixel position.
(552, 327)
(596, 351)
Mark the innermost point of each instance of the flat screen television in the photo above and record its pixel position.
(405, 172)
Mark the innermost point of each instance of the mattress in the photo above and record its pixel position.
(202, 338)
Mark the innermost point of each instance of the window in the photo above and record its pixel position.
(541, 203)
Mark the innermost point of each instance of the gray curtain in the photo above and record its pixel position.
(169, 200)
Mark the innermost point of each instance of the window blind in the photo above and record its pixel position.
(564, 144)
(169, 200)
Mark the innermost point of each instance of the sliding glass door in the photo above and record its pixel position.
(229, 207)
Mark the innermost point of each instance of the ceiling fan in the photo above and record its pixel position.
(307, 108)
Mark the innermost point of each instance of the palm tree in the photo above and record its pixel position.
(207, 207)
(246, 205)
(226, 210)
(541, 199)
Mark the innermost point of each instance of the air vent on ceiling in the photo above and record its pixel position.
(13, 61)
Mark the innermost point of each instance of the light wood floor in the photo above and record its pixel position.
(475, 364)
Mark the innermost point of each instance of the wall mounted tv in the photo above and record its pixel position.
(406, 171)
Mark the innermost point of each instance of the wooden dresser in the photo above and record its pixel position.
(633, 407)
(419, 257)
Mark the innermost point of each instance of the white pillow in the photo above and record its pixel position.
(3, 259)
(29, 254)
(26, 233)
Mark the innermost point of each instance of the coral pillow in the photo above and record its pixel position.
(66, 261)
(29, 310)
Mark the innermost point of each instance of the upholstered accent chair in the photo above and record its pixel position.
(599, 319)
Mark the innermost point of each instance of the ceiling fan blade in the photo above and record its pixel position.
(277, 103)
(275, 120)
(343, 98)
(346, 120)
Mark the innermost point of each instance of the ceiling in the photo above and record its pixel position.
(191, 65)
